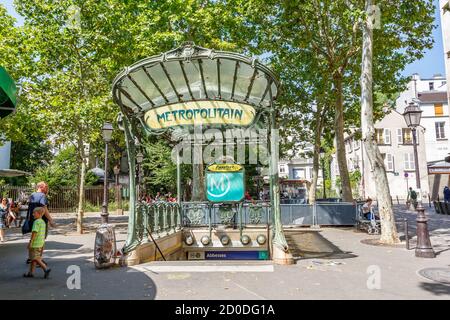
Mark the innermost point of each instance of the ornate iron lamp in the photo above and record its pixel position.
(424, 249)
(107, 136)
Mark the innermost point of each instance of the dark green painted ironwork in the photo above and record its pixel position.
(279, 238)
(133, 237)
(161, 218)
(255, 213)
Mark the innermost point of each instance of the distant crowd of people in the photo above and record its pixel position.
(160, 196)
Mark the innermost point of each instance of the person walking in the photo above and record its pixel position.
(36, 244)
(13, 214)
(412, 197)
(4, 213)
(446, 194)
(38, 199)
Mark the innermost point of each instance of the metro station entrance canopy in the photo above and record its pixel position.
(188, 87)
(194, 75)
(8, 90)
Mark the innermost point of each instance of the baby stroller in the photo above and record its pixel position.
(371, 225)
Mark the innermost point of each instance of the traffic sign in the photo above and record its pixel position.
(406, 174)
(225, 186)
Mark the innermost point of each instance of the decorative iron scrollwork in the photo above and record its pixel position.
(226, 214)
(195, 215)
(255, 214)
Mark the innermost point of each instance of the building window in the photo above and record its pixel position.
(438, 109)
(389, 162)
(405, 137)
(299, 173)
(409, 161)
(440, 130)
(282, 169)
(431, 85)
(383, 136)
(400, 136)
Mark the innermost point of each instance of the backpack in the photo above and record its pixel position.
(413, 195)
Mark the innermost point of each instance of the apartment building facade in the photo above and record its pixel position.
(394, 140)
(431, 95)
(296, 176)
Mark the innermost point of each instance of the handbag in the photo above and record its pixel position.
(26, 227)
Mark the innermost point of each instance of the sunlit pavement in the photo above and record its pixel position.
(353, 271)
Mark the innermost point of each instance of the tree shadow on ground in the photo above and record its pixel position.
(436, 288)
(63, 258)
(312, 245)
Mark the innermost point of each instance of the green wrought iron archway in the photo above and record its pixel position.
(151, 92)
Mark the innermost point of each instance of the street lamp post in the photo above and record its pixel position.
(107, 135)
(424, 249)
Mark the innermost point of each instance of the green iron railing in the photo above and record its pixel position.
(158, 218)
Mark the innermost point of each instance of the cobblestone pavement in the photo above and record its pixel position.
(351, 270)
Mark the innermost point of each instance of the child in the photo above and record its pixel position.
(36, 245)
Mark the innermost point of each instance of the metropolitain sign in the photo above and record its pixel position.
(200, 113)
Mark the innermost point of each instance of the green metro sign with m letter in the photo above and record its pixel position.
(225, 183)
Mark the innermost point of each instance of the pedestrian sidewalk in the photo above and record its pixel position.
(351, 270)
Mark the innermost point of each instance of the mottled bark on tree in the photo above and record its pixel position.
(340, 145)
(80, 211)
(317, 140)
(388, 228)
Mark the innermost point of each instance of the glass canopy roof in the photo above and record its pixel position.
(192, 73)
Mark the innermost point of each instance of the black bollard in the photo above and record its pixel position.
(406, 233)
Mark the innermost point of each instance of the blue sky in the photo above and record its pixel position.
(430, 64)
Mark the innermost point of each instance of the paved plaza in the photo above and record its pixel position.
(348, 269)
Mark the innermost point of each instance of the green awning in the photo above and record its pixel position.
(8, 93)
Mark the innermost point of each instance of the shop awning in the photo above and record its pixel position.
(13, 173)
(439, 167)
(8, 93)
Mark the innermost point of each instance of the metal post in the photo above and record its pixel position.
(179, 183)
(406, 233)
(423, 248)
(104, 213)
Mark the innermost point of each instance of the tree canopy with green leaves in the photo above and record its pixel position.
(317, 47)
